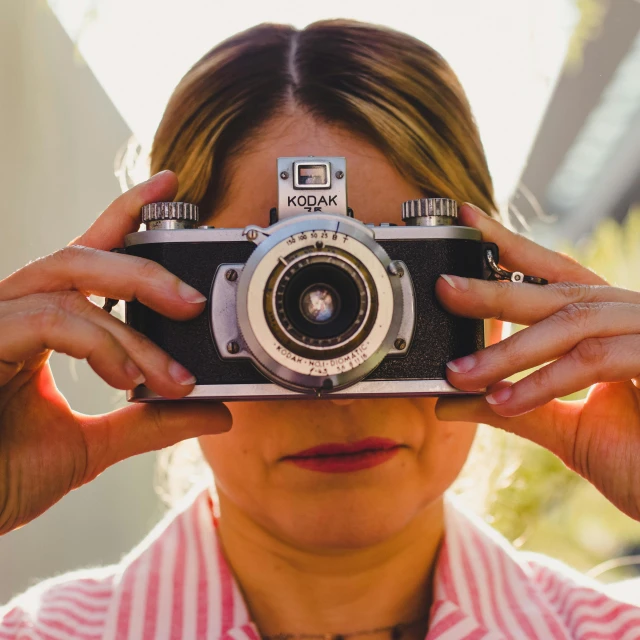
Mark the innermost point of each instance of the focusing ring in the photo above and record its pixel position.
(320, 233)
(284, 327)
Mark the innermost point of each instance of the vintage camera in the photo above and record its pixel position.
(318, 303)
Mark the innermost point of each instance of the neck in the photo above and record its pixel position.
(294, 590)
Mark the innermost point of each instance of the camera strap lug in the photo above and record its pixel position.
(255, 234)
(494, 272)
(109, 303)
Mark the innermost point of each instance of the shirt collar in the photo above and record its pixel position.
(482, 588)
(177, 581)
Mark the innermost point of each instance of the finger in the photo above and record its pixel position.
(162, 374)
(26, 334)
(109, 275)
(521, 303)
(545, 341)
(144, 427)
(122, 216)
(552, 426)
(615, 359)
(522, 254)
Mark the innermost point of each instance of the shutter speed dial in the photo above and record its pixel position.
(430, 212)
(170, 215)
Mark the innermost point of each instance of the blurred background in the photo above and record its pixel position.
(555, 87)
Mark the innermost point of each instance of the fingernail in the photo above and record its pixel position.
(133, 372)
(458, 283)
(499, 397)
(189, 294)
(180, 374)
(477, 209)
(462, 365)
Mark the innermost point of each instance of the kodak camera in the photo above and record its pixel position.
(317, 304)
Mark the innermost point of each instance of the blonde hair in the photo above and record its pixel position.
(395, 91)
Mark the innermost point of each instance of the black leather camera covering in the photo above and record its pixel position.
(438, 338)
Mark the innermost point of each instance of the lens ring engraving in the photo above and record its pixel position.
(255, 321)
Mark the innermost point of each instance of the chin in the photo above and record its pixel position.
(348, 518)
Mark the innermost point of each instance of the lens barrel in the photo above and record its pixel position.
(311, 271)
(316, 275)
(317, 308)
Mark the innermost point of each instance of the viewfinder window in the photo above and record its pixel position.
(312, 175)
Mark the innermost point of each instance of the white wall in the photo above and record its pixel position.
(59, 135)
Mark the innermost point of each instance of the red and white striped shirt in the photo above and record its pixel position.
(177, 584)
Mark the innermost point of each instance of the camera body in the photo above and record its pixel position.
(317, 304)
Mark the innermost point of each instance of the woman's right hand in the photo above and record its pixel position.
(46, 448)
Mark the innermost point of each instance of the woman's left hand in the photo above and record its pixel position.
(588, 332)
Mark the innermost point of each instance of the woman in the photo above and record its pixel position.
(286, 549)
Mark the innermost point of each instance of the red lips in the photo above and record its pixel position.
(338, 457)
(346, 448)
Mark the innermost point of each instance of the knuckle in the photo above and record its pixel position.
(509, 349)
(70, 301)
(501, 293)
(591, 353)
(574, 315)
(50, 316)
(542, 378)
(503, 286)
(150, 270)
(139, 343)
(158, 420)
(66, 255)
(103, 344)
(571, 291)
(103, 339)
(71, 254)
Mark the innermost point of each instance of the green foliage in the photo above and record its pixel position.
(613, 251)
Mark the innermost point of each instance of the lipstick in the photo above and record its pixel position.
(338, 457)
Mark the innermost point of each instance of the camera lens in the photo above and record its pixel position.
(321, 300)
(316, 305)
(319, 303)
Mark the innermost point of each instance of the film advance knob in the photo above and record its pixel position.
(430, 212)
(170, 215)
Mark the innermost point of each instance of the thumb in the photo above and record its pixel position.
(143, 427)
(122, 216)
(552, 426)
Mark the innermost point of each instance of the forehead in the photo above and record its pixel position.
(375, 188)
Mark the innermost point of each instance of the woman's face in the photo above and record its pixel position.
(310, 508)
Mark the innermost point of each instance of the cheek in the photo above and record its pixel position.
(443, 450)
(443, 457)
(237, 457)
